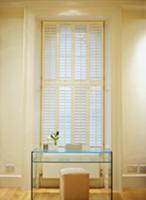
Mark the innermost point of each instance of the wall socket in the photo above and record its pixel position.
(132, 169)
(137, 168)
(9, 168)
(142, 169)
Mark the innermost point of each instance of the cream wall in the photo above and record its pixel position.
(134, 88)
(77, 11)
(11, 93)
(19, 33)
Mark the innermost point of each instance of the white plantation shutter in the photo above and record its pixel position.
(65, 115)
(49, 111)
(96, 137)
(50, 51)
(80, 51)
(80, 114)
(65, 51)
(96, 49)
(72, 82)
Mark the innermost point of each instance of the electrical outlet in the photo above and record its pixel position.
(142, 169)
(132, 169)
(10, 168)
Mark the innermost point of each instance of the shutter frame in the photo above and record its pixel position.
(88, 78)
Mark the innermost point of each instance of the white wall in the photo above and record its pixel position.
(134, 88)
(78, 11)
(19, 81)
(11, 93)
(31, 62)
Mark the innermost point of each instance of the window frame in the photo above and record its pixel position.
(59, 81)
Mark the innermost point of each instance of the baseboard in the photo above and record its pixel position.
(10, 180)
(134, 180)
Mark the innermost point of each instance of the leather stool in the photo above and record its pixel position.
(74, 184)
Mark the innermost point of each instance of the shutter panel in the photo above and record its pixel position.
(72, 94)
(65, 115)
(65, 51)
(96, 48)
(96, 101)
(80, 52)
(80, 114)
(48, 112)
(50, 53)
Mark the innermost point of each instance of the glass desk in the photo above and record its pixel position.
(46, 166)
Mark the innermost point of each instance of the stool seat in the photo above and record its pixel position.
(74, 184)
(77, 170)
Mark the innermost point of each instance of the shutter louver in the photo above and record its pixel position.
(50, 52)
(96, 138)
(80, 52)
(96, 57)
(65, 51)
(80, 114)
(48, 111)
(65, 115)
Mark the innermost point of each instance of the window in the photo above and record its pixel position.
(73, 82)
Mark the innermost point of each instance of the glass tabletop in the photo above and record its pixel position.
(63, 151)
(39, 155)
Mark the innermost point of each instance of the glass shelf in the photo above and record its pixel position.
(46, 166)
(36, 151)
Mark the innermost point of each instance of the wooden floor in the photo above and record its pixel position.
(137, 194)
(17, 194)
